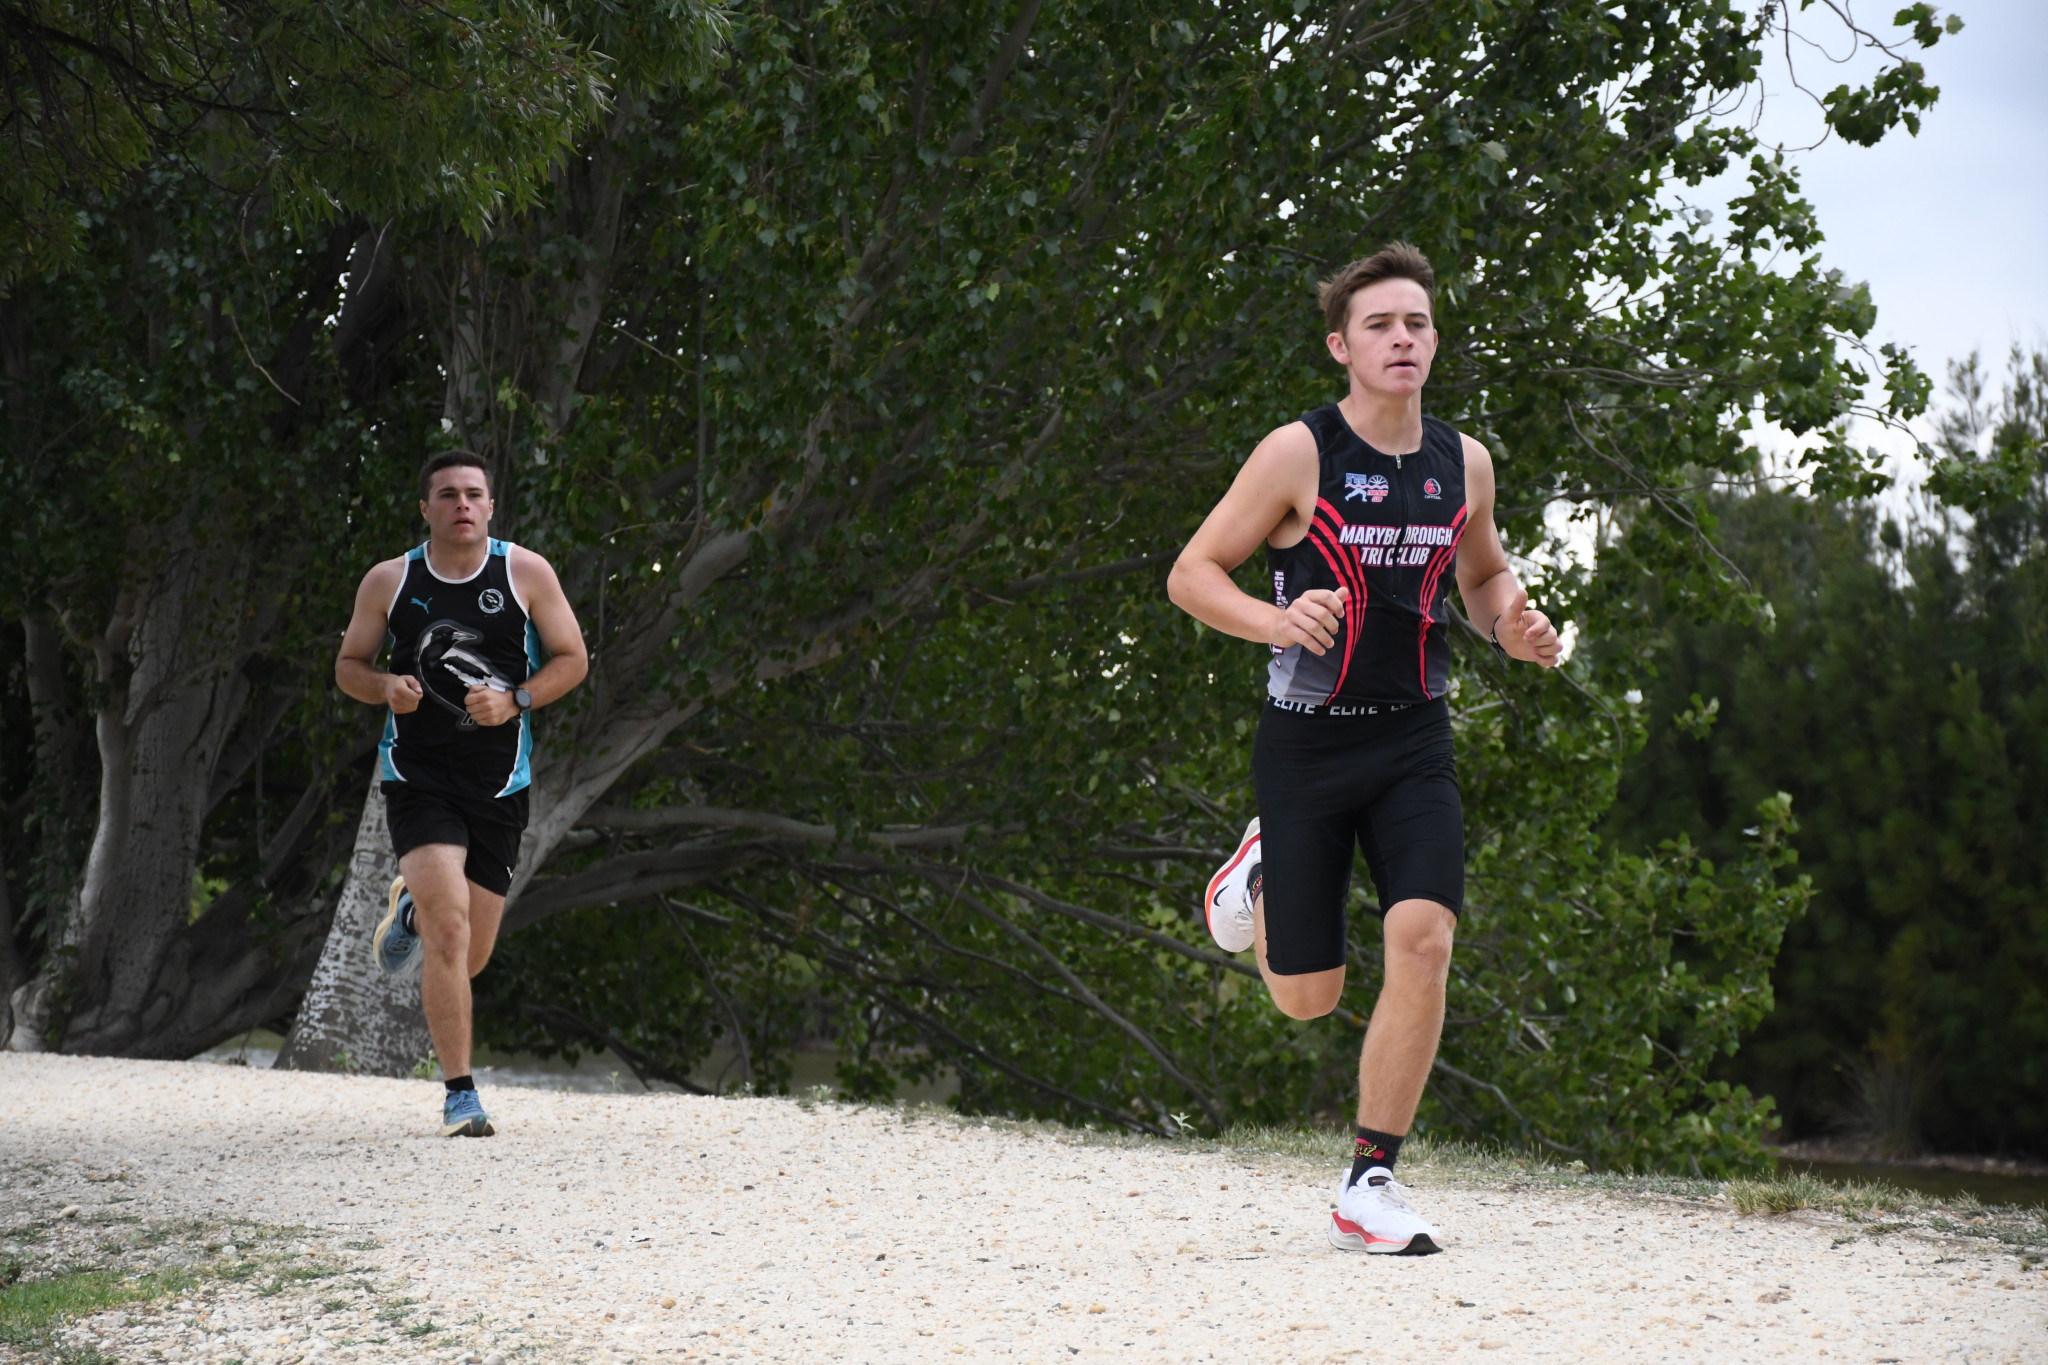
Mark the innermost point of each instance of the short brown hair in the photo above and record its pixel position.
(1394, 261)
(451, 459)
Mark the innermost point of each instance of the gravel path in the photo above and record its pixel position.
(664, 1227)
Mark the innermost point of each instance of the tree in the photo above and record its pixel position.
(829, 377)
(1899, 698)
(191, 398)
(1089, 211)
(371, 106)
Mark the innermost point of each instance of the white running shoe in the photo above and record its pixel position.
(1378, 1218)
(1228, 902)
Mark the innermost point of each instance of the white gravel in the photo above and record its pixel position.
(664, 1227)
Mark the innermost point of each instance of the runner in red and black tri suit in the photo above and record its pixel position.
(1367, 510)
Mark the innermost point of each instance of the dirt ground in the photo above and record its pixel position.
(321, 1218)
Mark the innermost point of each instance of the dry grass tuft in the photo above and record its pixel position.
(1786, 1193)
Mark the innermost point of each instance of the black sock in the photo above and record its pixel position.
(455, 1083)
(1373, 1149)
(405, 917)
(1255, 884)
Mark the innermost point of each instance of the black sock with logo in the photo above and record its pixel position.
(455, 1083)
(1373, 1149)
(1255, 885)
(405, 918)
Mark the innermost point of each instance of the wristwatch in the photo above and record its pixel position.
(523, 699)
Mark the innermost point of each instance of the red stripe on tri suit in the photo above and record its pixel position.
(1350, 574)
(1333, 555)
(1331, 546)
(1438, 562)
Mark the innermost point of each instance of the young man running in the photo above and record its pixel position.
(1362, 506)
(466, 617)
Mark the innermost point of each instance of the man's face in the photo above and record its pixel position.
(1389, 338)
(458, 505)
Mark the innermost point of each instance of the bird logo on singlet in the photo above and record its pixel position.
(1371, 487)
(448, 668)
(491, 601)
(1432, 490)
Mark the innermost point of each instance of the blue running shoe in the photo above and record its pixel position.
(393, 947)
(463, 1116)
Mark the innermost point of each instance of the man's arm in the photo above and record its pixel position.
(547, 606)
(1494, 601)
(355, 668)
(1265, 499)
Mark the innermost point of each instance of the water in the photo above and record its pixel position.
(1989, 1187)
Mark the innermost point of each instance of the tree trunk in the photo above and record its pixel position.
(169, 669)
(354, 1017)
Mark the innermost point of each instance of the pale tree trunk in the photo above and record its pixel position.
(354, 1016)
(169, 666)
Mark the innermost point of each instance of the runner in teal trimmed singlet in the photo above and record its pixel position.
(467, 619)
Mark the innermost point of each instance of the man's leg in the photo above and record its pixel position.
(1408, 1018)
(441, 898)
(1310, 995)
(486, 912)
(1373, 1213)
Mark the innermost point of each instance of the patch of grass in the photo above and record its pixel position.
(1800, 1190)
(84, 1355)
(286, 1276)
(32, 1310)
(2031, 1233)
(420, 1329)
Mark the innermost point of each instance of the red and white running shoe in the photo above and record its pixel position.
(1374, 1215)
(1227, 904)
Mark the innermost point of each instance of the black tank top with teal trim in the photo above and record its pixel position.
(453, 634)
(1387, 527)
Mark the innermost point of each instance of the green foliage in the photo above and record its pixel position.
(1899, 93)
(372, 106)
(1045, 315)
(1901, 700)
(924, 336)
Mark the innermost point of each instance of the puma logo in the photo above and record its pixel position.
(423, 606)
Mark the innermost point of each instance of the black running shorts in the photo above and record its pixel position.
(1384, 783)
(488, 826)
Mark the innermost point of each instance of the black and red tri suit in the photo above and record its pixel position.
(1387, 527)
(1354, 747)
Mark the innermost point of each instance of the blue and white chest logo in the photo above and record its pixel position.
(1372, 487)
(491, 601)
(1432, 489)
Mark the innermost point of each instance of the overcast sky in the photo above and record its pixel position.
(1950, 228)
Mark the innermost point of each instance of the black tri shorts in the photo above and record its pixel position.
(1385, 783)
(488, 826)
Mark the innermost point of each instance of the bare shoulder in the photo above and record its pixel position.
(384, 577)
(1478, 472)
(1286, 455)
(531, 570)
(1478, 459)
